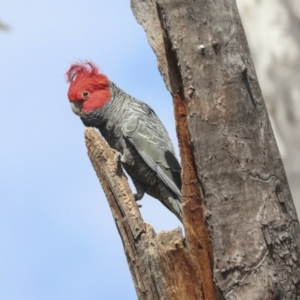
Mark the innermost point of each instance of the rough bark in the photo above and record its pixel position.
(227, 148)
(162, 265)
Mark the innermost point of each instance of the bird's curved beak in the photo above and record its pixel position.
(76, 107)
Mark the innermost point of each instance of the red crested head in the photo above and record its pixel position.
(89, 89)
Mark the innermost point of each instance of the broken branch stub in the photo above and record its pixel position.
(160, 264)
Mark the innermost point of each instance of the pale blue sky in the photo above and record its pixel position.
(58, 239)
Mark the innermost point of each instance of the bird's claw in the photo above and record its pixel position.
(118, 157)
(137, 197)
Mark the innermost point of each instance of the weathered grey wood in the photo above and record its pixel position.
(205, 61)
(162, 265)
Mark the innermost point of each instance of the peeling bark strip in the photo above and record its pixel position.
(162, 265)
(204, 59)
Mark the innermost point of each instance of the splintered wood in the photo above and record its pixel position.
(161, 264)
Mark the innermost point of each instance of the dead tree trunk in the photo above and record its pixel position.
(229, 154)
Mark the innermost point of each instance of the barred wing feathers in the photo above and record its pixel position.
(143, 129)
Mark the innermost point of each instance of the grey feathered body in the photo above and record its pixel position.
(132, 128)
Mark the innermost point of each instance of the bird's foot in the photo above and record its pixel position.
(118, 157)
(138, 197)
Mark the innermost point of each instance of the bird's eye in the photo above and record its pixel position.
(85, 94)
